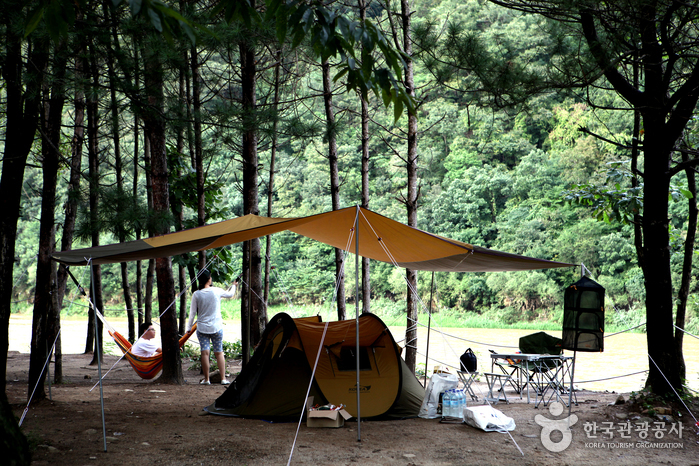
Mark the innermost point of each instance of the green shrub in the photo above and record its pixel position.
(191, 353)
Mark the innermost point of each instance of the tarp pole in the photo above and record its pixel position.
(97, 353)
(48, 371)
(572, 376)
(356, 305)
(429, 324)
(575, 352)
(247, 318)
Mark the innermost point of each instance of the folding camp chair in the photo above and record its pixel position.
(540, 375)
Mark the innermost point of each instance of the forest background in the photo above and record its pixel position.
(569, 134)
(507, 179)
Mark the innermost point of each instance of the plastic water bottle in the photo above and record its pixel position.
(446, 404)
(456, 403)
(462, 404)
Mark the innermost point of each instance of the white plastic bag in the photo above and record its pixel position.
(439, 383)
(488, 419)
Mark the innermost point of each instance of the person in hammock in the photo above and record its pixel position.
(206, 305)
(145, 346)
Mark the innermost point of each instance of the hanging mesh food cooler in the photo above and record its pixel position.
(583, 316)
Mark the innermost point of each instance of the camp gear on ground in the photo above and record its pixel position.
(438, 384)
(469, 362)
(488, 419)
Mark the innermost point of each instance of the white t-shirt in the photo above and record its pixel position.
(145, 348)
(206, 306)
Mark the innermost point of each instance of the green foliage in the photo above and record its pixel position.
(617, 200)
(333, 34)
(191, 353)
(520, 181)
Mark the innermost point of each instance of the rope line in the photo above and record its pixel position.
(610, 378)
(426, 310)
(627, 330)
(410, 286)
(39, 379)
(696, 423)
(443, 333)
(691, 335)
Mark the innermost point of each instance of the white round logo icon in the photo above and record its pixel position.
(551, 425)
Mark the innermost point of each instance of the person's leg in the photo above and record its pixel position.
(205, 364)
(221, 361)
(205, 345)
(217, 347)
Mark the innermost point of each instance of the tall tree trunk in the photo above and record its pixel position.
(685, 281)
(155, 132)
(45, 322)
(656, 239)
(366, 278)
(411, 201)
(94, 169)
(134, 187)
(13, 443)
(252, 290)
(150, 270)
(71, 205)
(270, 184)
(198, 149)
(23, 99)
(334, 184)
(178, 208)
(118, 170)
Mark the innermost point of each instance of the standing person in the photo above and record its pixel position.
(145, 346)
(206, 305)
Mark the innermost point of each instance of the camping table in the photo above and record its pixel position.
(545, 371)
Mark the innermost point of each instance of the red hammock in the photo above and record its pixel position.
(149, 367)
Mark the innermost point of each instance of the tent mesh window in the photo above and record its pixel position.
(583, 316)
(348, 359)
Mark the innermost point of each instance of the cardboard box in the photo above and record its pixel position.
(327, 418)
(441, 370)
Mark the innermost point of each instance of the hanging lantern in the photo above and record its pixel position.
(583, 316)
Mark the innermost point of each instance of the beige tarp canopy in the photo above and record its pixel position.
(380, 238)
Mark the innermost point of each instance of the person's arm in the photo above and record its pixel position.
(230, 292)
(192, 313)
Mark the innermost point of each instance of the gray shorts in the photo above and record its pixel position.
(207, 340)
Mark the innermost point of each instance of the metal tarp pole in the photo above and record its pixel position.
(356, 304)
(97, 352)
(575, 353)
(572, 376)
(429, 324)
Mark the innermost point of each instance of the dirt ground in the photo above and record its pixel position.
(152, 423)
